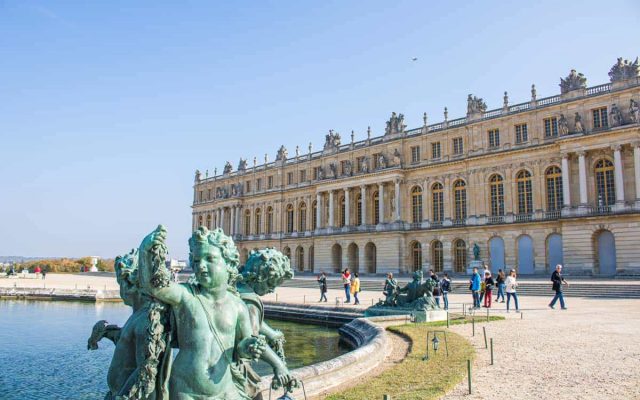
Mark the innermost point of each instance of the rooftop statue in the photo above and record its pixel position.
(573, 81)
(634, 113)
(332, 140)
(623, 70)
(227, 168)
(198, 176)
(242, 164)
(282, 154)
(395, 124)
(475, 105)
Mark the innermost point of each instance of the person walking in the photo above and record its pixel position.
(44, 273)
(558, 281)
(474, 286)
(346, 281)
(488, 288)
(500, 284)
(436, 290)
(445, 288)
(322, 281)
(511, 284)
(355, 288)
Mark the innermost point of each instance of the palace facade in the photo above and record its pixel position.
(551, 180)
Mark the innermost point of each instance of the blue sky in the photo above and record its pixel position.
(107, 108)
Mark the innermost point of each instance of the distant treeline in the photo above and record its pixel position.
(65, 265)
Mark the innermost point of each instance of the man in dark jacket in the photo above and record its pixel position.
(558, 281)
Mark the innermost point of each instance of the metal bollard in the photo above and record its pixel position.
(473, 325)
(521, 315)
(464, 310)
(386, 397)
(447, 319)
(304, 299)
(469, 374)
(484, 331)
(487, 314)
(276, 297)
(491, 351)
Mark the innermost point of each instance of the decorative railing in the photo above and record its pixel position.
(519, 107)
(459, 222)
(598, 89)
(552, 214)
(524, 217)
(496, 219)
(600, 210)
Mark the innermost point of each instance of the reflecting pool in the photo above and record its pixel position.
(43, 353)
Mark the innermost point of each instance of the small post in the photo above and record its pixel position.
(487, 314)
(386, 397)
(484, 331)
(521, 315)
(464, 310)
(447, 319)
(491, 341)
(469, 374)
(372, 302)
(473, 325)
(304, 299)
(276, 297)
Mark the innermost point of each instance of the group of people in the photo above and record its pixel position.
(351, 283)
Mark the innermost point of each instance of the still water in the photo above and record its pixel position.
(43, 348)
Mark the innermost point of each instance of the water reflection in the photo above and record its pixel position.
(44, 354)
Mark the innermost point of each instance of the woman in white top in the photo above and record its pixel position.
(511, 284)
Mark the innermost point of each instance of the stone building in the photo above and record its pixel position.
(551, 180)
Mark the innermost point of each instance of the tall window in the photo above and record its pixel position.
(247, 222)
(459, 255)
(497, 195)
(494, 138)
(553, 177)
(270, 220)
(525, 198)
(316, 172)
(376, 208)
(314, 215)
(359, 209)
(435, 150)
(302, 218)
(437, 256)
(416, 256)
(247, 186)
(342, 211)
(415, 154)
(289, 178)
(259, 184)
(270, 182)
(437, 197)
(208, 194)
(460, 199)
(458, 147)
(200, 196)
(290, 218)
(376, 157)
(600, 119)
(416, 204)
(258, 221)
(303, 175)
(605, 186)
(521, 134)
(360, 163)
(550, 127)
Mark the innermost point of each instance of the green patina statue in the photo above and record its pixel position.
(216, 320)
(415, 295)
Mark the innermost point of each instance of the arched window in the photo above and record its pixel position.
(247, 222)
(605, 186)
(289, 218)
(459, 255)
(300, 258)
(497, 195)
(460, 200)
(416, 256)
(376, 208)
(269, 220)
(437, 197)
(437, 256)
(342, 211)
(314, 215)
(359, 209)
(258, 221)
(208, 221)
(416, 204)
(525, 197)
(302, 218)
(553, 176)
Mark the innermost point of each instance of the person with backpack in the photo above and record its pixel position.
(445, 288)
(322, 281)
(488, 288)
(500, 284)
(355, 288)
(558, 281)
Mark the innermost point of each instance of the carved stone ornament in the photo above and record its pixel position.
(332, 140)
(395, 124)
(563, 125)
(227, 168)
(242, 165)
(634, 113)
(199, 175)
(475, 105)
(364, 167)
(624, 69)
(348, 168)
(578, 127)
(616, 116)
(282, 154)
(333, 170)
(573, 81)
(382, 161)
(397, 158)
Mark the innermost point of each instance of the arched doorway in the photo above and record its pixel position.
(354, 256)
(336, 257)
(526, 262)
(496, 253)
(554, 251)
(370, 257)
(300, 258)
(606, 253)
(416, 256)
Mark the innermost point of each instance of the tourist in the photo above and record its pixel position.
(510, 286)
(346, 281)
(37, 271)
(445, 288)
(474, 286)
(436, 289)
(558, 281)
(322, 281)
(488, 288)
(44, 273)
(355, 288)
(433, 275)
(500, 284)
(482, 286)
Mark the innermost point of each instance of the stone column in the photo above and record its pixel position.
(363, 199)
(346, 207)
(636, 168)
(381, 202)
(218, 220)
(617, 170)
(222, 219)
(566, 188)
(318, 210)
(398, 202)
(582, 173)
(330, 223)
(238, 221)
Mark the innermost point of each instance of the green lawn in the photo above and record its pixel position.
(414, 378)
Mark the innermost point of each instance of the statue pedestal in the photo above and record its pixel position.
(475, 264)
(416, 315)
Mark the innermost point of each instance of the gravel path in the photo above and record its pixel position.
(591, 351)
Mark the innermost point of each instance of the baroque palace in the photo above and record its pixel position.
(551, 180)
